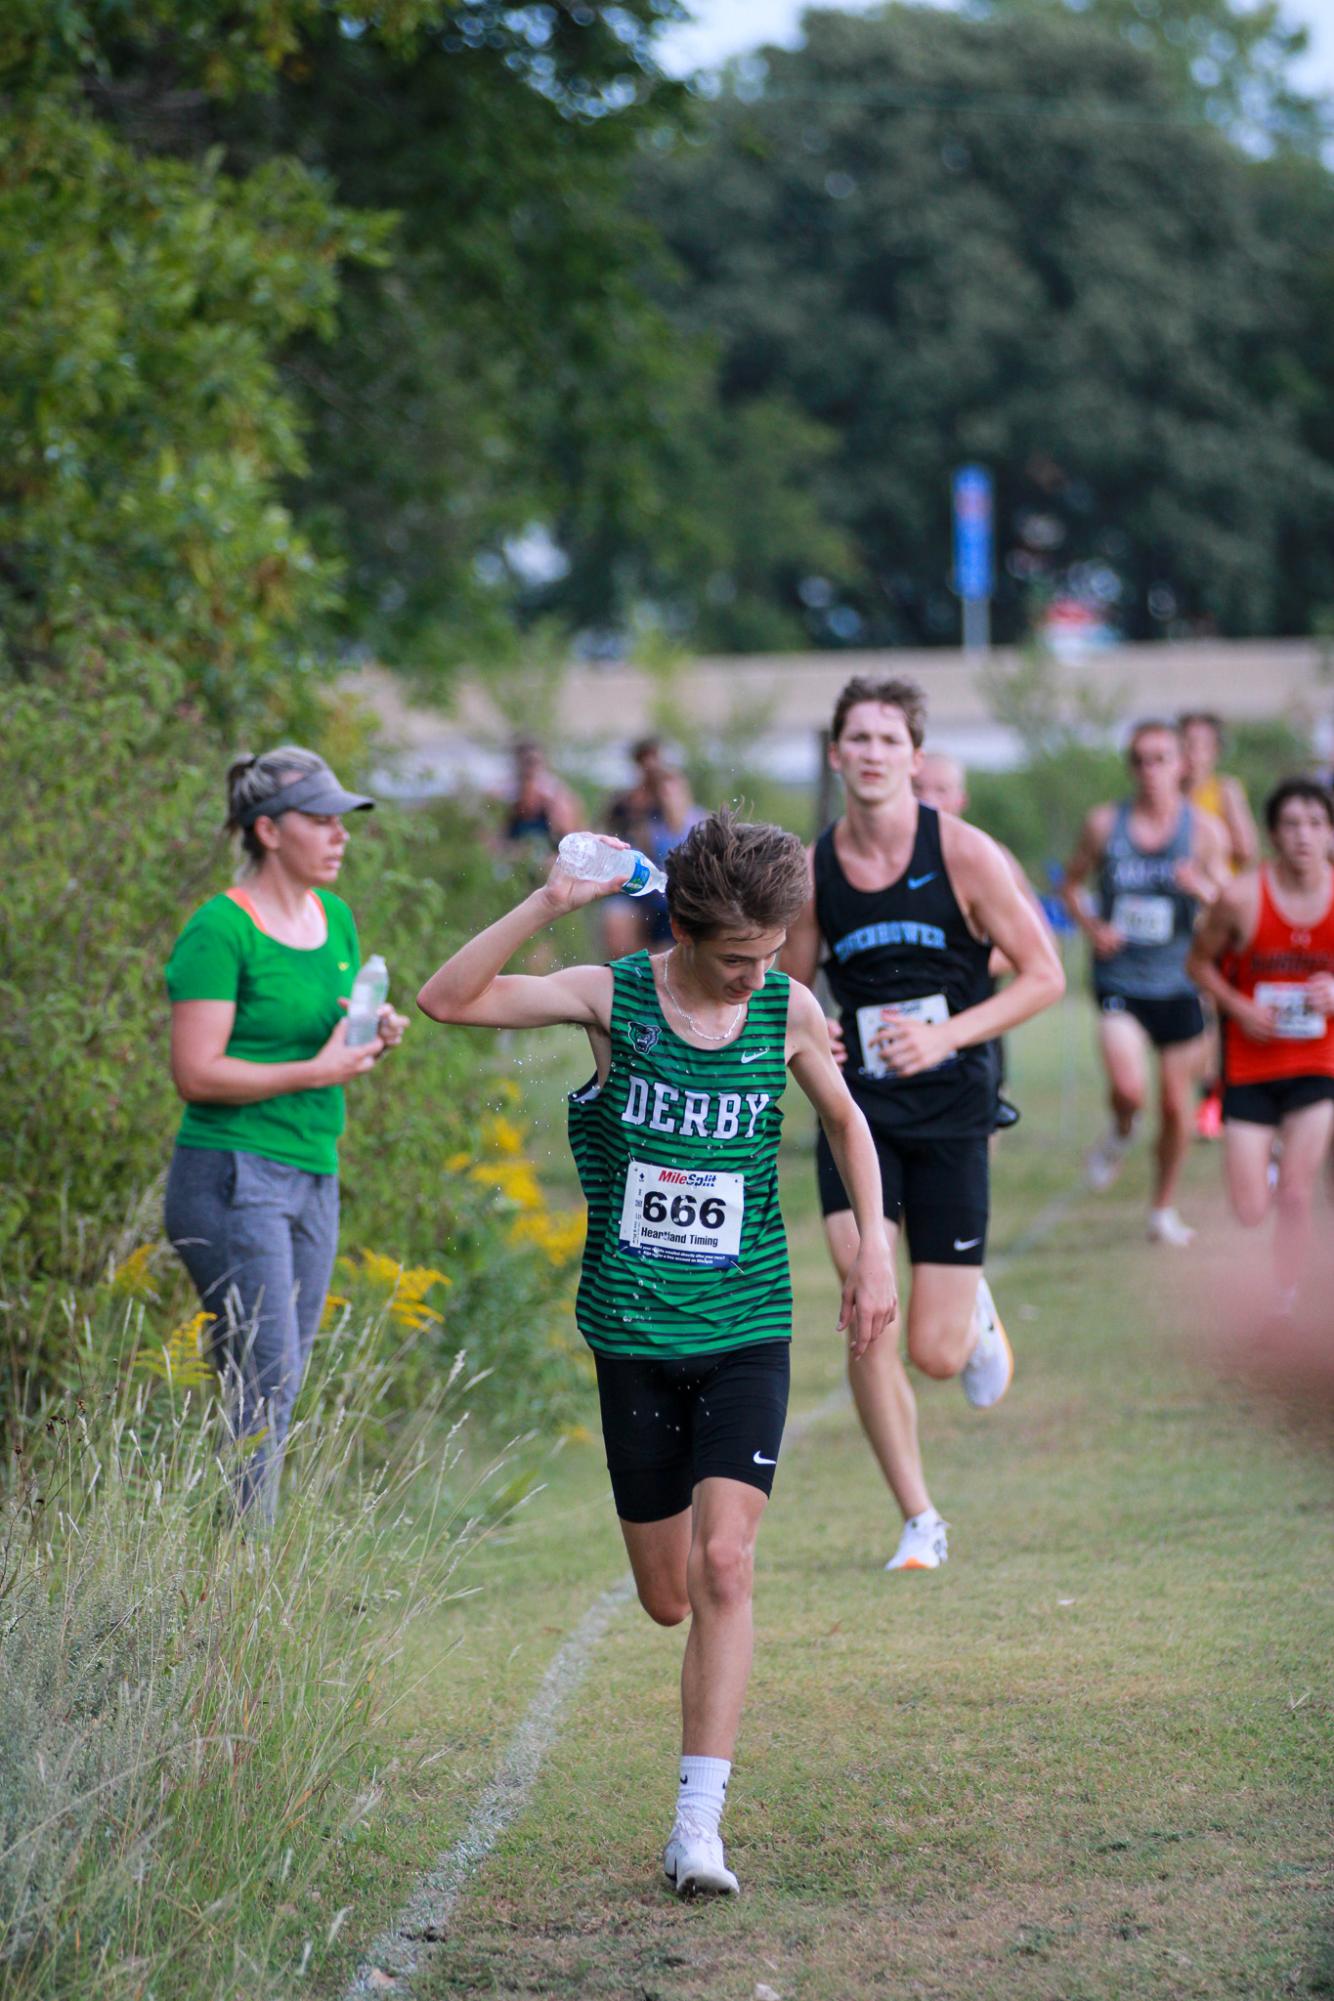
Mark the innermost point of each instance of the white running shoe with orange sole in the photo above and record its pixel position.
(923, 1545)
(988, 1372)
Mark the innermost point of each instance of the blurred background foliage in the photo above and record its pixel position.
(399, 332)
(1035, 241)
(457, 332)
(115, 791)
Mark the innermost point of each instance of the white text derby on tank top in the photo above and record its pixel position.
(907, 947)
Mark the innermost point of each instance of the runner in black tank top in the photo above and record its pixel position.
(904, 901)
(907, 945)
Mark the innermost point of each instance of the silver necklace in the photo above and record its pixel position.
(705, 1034)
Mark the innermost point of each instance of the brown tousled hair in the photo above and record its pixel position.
(730, 874)
(905, 695)
(1298, 788)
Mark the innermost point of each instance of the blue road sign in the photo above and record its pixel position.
(972, 533)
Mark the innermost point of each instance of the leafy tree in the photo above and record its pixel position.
(1229, 64)
(947, 239)
(502, 371)
(147, 429)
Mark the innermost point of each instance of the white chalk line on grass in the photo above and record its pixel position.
(426, 1915)
(425, 1918)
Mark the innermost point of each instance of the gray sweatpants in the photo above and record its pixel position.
(258, 1239)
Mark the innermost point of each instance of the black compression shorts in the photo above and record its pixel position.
(1166, 1019)
(940, 1188)
(669, 1424)
(1268, 1104)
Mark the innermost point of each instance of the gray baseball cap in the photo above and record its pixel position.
(315, 791)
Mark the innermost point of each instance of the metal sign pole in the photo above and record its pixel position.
(973, 555)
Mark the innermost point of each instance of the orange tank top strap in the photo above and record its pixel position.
(1274, 970)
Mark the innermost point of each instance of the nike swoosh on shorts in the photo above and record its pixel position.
(966, 1243)
(760, 1460)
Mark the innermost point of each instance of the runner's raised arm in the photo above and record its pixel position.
(473, 990)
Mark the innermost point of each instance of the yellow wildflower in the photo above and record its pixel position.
(456, 1162)
(514, 1178)
(382, 1271)
(181, 1359)
(501, 1135)
(408, 1306)
(557, 1232)
(134, 1276)
(407, 1288)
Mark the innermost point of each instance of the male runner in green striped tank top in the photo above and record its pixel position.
(685, 1298)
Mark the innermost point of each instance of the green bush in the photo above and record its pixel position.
(116, 805)
(1039, 809)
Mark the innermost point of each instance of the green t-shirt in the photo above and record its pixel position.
(286, 1009)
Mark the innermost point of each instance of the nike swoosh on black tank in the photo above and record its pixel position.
(898, 944)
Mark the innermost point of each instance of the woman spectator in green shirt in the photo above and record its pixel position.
(258, 981)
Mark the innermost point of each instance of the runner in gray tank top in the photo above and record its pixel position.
(1154, 860)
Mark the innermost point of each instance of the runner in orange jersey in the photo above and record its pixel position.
(1216, 792)
(1273, 928)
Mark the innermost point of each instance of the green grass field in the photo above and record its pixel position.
(1090, 1758)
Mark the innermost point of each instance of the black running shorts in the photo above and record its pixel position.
(939, 1188)
(669, 1424)
(1166, 1019)
(1270, 1103)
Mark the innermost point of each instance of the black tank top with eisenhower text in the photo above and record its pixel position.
(908, 946)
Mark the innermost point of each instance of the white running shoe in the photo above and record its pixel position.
(1104, 1161)
(923, 1544)
(988, 1370)
(693, 1861)
(1166, 1227)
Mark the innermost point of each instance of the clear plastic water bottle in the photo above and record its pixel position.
(589, 858)
(370, 991)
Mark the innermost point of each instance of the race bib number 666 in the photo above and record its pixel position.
(686, 1215)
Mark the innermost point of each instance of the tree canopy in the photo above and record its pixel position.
(402, 330)
(1010, 240)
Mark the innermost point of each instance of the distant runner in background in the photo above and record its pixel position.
(1154, 859)
(1265, 953)
(906, 904)
(540, 808)
(1213, 791)
(655, 816)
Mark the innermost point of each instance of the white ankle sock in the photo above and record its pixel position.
(703, 1788)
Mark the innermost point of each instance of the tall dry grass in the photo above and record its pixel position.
(193, 1717)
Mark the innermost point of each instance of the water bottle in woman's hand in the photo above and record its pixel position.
(370, 990)
(588, 858)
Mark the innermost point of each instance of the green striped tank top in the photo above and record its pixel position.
(677, 1152)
